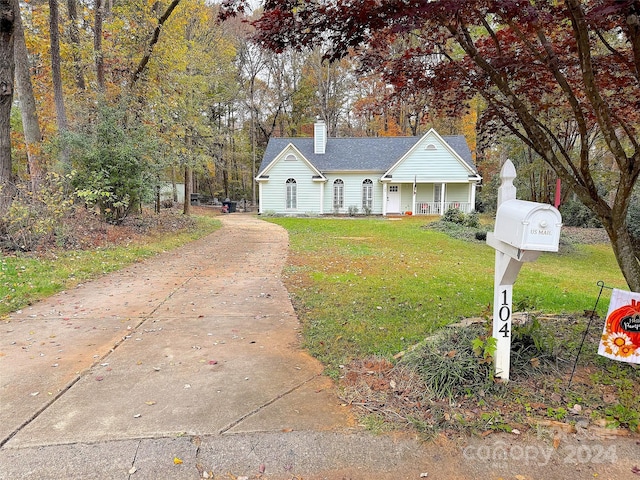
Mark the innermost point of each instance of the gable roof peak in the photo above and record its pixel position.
(361, 153)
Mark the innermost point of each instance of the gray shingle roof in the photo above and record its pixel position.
(359, 153)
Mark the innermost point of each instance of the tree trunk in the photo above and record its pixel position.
(154, 39)
(74, 35)
(7, 67)
(97, 43)
(24, 88)
(54, 33)
(174, 188)
(225, 180)
(626, 251)
(253, 160)
(187, 190)
(157, 197)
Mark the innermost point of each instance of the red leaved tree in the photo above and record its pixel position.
(561, 76)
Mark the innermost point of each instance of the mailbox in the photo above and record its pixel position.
(528, 225)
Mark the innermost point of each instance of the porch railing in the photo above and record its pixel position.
(435, 208)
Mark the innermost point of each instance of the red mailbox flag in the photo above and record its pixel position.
(621, 335)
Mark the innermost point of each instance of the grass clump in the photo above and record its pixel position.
(448, 364)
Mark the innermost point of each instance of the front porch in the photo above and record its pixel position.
(428, 198)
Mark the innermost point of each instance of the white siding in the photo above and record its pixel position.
(274, 189)
(406, 198)
(437, 164)
(319, 137)
(353, 192)
(458, 193)
(424, 193)
(454, 192)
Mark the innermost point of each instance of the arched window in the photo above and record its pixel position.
(338, 194)
(290, 158)
(292, 194)
(431, 146)
(367, 194)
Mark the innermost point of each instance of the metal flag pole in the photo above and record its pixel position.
(584, 336)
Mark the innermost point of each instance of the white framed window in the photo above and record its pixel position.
(367, 193)
(290, 158)
(292, 194)
(338, 194)
(431, 146)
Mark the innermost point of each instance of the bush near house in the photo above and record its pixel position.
(458, 224)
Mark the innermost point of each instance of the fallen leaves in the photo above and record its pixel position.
(177, 461)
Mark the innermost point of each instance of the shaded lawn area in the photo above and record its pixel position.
(373, 286)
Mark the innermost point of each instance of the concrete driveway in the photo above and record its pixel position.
(188, 366)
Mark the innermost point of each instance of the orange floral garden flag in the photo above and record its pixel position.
(621, 335)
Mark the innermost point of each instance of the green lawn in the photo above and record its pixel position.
(376, 286)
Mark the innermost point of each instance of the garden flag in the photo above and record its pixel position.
(621, 335)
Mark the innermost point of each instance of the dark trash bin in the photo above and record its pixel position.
(231, 206)
(195, 199)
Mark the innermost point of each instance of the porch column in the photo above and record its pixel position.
(444, 195)
(260, 197)
(472, 206)
(413, 206)
(384, 199)
(322, 198)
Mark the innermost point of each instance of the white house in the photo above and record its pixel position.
(382, 175)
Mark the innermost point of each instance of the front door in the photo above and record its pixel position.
(393, 199)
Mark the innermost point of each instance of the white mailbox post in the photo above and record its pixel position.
(523, 230)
